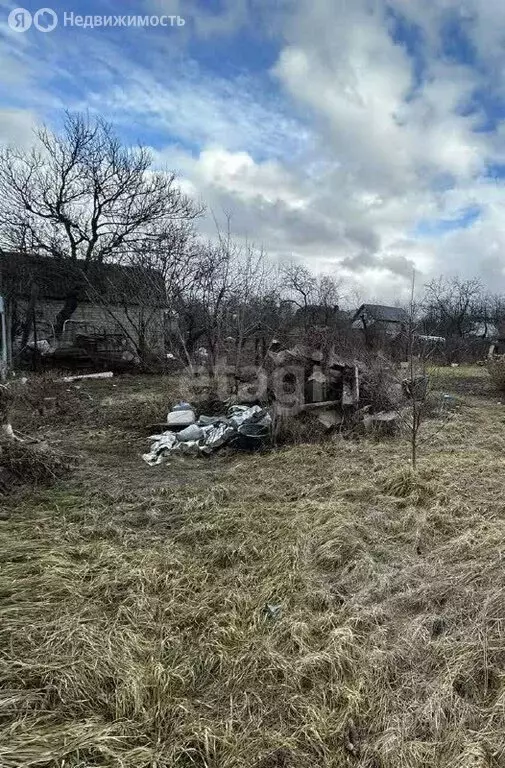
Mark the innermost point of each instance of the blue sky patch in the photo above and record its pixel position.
(410, 36)
(431, 228)
(489, 108)
(495, 171)
(455, 41)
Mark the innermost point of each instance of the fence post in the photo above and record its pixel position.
(3, 321)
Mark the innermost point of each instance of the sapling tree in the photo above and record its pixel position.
(412, 383)
(419, 380)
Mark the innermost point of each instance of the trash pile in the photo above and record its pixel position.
(243, 427)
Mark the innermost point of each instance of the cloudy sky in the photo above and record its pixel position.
(362, 137)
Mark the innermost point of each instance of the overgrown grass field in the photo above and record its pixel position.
(314, 607)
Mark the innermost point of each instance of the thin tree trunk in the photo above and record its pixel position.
(65, 313)
(35, 342)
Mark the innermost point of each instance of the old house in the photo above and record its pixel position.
(321, 315)
(383, 327)
(55, 305)
(390, 321)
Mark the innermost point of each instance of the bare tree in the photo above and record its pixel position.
(199, 305)
(451, 305)
(316, 296)
(81, 196)
(419, 384)
(252, 284)
(161, 269)
(218, 283)
(328, 294)
(412, 382)
(300, 285)
(489, 314)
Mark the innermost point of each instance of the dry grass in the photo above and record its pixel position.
(465, 380)
(496, 369)
(30, 464)
(47, 399)
(123, 402)
(316, 607)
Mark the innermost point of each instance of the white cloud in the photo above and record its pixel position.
(237, 174)
(340, 62)
(200, 110)
(16, 126)
(205, 23)
(339, 164)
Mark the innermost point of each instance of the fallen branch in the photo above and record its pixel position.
(101, 375)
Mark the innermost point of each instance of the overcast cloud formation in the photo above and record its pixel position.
(364, 137)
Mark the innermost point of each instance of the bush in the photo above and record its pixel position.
(496, 369)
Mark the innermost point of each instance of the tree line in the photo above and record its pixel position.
(80, 196)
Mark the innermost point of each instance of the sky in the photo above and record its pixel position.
(363, 138)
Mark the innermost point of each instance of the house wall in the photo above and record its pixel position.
(95, 318)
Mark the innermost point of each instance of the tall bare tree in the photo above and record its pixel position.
(80, 195)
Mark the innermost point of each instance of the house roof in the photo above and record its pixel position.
(485, 330)
(382, 313)
(55, 279)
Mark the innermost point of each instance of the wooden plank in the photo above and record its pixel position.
(315, 406)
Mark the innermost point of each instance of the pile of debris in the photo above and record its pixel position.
(311, 392)
(303, 379)
(243, 427)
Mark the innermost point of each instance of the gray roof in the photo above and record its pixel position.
(383, 314)
(55, 278)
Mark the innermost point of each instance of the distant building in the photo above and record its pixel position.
(58, 300)
(322, 315)
(382, 319)
(483, 330)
